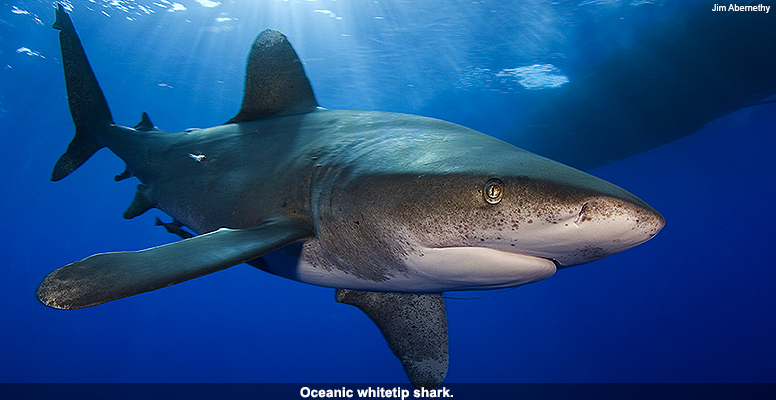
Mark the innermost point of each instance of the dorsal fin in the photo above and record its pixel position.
(275, 82)
(145, 124)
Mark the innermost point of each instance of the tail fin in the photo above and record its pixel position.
(88, 107)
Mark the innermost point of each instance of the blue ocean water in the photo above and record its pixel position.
(695, 304)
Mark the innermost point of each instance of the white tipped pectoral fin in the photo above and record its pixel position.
(415, 327)
(110, 276)
(473, 268)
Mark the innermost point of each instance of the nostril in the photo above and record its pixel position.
(582, 216)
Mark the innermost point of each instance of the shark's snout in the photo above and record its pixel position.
(607, 225)
(618, 210)
(638, 220)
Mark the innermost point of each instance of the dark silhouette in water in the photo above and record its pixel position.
(692, 68)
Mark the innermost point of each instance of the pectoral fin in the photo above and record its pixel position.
(111, 276)
(415, 327)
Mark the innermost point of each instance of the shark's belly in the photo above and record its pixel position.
(429, 270)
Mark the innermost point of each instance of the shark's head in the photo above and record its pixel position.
(474, 215)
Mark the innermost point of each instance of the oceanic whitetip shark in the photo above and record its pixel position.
(391, 210)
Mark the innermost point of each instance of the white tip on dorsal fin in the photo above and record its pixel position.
(275, 82)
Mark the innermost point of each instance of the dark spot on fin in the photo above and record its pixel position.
(275, 82)
(142, 202)
(124, 175)
(145, 124)
(88, 107)
(415, 327)
(175, 227)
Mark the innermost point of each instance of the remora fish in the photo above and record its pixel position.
(391, 210)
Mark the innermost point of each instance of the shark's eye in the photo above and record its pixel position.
(494, 190)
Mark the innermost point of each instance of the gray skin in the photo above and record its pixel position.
(390, 209)
(376, 188)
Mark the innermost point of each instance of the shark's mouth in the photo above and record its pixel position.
(478, 268)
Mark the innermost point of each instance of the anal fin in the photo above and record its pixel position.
(415, 327)
(143, 201)
(111, 276)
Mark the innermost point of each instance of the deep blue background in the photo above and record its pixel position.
(695, 304)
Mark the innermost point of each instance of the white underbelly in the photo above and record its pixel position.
(438, 270)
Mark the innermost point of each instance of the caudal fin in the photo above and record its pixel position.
(88, 107)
